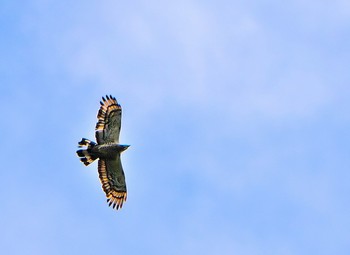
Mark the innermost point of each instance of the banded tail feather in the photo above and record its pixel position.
(85, 154)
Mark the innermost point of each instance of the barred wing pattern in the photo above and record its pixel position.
(109, 121)
(113, 181)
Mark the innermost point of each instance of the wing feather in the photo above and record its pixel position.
(109, 121)
(113, 181)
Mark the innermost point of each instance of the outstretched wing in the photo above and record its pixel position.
(109, 121)
(113, 181)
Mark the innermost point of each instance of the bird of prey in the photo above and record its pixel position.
(107, 150)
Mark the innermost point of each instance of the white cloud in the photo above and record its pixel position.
(189, 53)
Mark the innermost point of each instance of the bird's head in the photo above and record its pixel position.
(123, 147)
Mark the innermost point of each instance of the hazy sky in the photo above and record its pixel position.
(237, 113)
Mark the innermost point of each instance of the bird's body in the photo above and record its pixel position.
(107, 150)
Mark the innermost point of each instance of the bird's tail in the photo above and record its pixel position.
(85, 154)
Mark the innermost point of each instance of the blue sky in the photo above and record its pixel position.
(237, 113)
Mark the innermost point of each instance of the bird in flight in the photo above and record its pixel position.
(107, 150)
